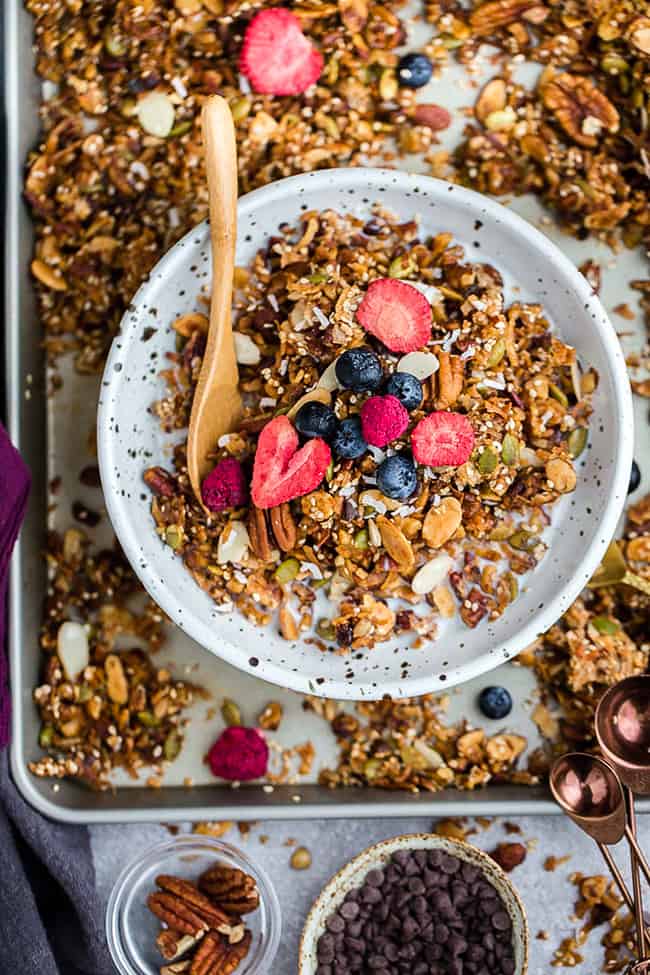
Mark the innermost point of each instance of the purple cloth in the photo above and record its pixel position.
(51, 920)
(14, 492)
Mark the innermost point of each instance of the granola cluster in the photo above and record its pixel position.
(119, 711)
(500, 367)
(579, 138)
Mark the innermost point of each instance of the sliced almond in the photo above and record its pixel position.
(441, 522)
(317, 394)
(288, 625)
(48, 276)
(396, 544)
(419, 364)
(72, 648)
(444, 602)
(431, 574)
(328, 380)
(246, 351)
(233, 543)
(156, 114)
(492, 99)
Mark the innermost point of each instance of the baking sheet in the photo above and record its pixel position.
(53, 437)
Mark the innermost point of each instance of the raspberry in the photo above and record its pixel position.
(443, 439)
(277, 58)
(397, 314)
(225, 486)
(239, 754)
(281, 471)
(383, 419)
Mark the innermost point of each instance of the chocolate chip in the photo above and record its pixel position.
(424, 913)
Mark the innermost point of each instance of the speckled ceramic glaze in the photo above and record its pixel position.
(353, 874)
(130, 439)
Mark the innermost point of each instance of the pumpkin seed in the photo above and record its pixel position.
(240, 108)
(497, 353)
(329, 473)
(114, 44)
(510, 450)
(172, 746)
(614, 64)
(361, 539)
(577, 441)
(402, 267)
(148, 719)
(325, 629)
(85, 693)
(511, 579)
(524, 541)
(558, 395)
(230, 713)
(604, 625)
(488, 461)
(46, 736)
(287, 570)
(181, 129)
(174, 536)
(371, 768)
(318, 278)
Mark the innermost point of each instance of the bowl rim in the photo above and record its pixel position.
(206, 634)
(154, 854)
(428, 841)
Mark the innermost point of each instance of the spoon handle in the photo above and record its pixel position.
(635, 861)
(219, 369)
(617, 876)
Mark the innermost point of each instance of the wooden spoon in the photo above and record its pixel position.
(217, 402)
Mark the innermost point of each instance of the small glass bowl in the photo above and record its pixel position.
(131, 928)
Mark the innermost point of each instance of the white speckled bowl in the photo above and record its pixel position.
(130, 439)
(353, 873)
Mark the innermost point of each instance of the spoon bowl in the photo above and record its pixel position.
(623, 731)
(589, 792)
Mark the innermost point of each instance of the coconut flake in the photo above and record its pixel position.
(321, 316)
(244, 85)
(268, 401)
(174, 217)
(139, 169)
(179, 87)
(450, 339)
(493, 383)
(246, 352)
(273, 301)
(377, 454)
(72, 648)
(312, 568)
(156, 114)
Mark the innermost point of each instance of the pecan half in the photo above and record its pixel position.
(211, 956)
(258, 534)
(234, 891)
(159, 482)
(450, 378)
(582, 110)
(236, 955)
(174, 944)
(184, 891)
(488, 17)
(284, 527)
(396, 544)
(176, 914)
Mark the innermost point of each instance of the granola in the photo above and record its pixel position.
(471, 522)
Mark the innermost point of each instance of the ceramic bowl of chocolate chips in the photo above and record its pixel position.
(417, 905)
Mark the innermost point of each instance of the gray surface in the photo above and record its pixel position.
(548, 897)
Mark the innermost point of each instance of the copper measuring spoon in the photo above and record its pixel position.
(217, 405)
(589, 791)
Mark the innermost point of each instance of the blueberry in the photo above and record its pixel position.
(407, 389)
(359, 369)
(348, 440)
(314, 419)
(396, 477)
(414, 70)
(635, 477)
(495, 702)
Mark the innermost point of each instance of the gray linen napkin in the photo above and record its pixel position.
(51, 920)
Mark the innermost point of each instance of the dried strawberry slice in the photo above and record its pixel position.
(276, 57)
(281, 471)
(397, 314)
(443, 439)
